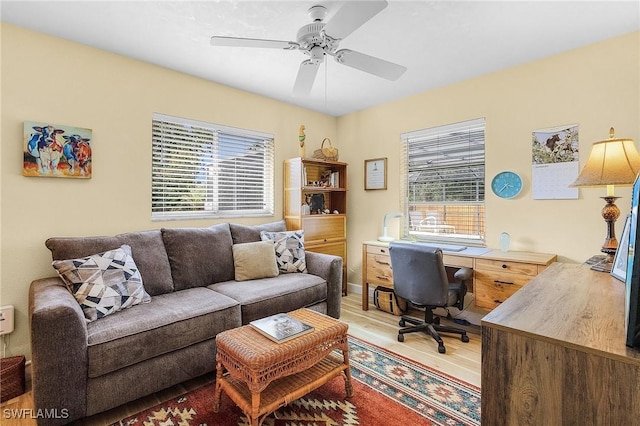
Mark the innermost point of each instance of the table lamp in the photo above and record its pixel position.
(385, 236)
(614, 161)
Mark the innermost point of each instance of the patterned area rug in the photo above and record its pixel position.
(388, 390)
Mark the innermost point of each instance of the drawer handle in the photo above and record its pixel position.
(383, 263)
(497, 301)
(383, 251)
(504, 266)
(380, 277)
(502, 282)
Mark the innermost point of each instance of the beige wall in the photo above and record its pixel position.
(597, 87)
(52, 80)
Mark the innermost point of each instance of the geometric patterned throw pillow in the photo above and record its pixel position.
(289, 247)
(103, 283)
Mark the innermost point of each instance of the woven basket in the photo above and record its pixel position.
(11, 377)
(386, 300)
(329, 153)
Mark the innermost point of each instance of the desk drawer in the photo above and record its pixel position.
(378, 250)
(457, 261)
(506, 266)
(379, 270)
(491, 288)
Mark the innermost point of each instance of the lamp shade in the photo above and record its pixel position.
(611, 162)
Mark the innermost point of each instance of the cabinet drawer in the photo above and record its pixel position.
(457, 261)
(491, 289)
(324, 227)
(506, 266)
(379, 270)
(335, 249)
(378, 250)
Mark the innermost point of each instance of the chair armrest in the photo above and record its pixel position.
(463, 274)
(429, 221)
(328, 267)
(58, 350)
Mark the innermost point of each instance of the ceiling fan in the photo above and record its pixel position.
(319, 39)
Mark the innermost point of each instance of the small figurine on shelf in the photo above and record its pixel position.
(301, 138)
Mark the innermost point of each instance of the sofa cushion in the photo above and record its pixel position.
(147, 250)
(289, 246)
(250, 233)
(254, 260)
(103, 283)
(169, 322)
(268, 296)
(199, 256)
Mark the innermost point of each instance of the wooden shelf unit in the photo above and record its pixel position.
(323, 233)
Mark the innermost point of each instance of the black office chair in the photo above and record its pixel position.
(420, 277)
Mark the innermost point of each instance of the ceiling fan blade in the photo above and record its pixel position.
(306, 77)
(370, 64)
(351, 16)
(252, 42)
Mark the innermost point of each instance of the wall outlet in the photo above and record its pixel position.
(6, 319)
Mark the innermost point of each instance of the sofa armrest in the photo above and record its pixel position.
(58, 350)
(328, 267)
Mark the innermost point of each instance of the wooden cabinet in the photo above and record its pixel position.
(496, 279)
(555, 353)
(497, 275)
(378, 266)
(326, 182)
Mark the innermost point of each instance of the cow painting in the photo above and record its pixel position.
(44, 147)
(56, 151)
(77, 151)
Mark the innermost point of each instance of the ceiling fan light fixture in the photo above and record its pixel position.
(317, 13)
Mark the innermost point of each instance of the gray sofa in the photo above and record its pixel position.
(81, 368)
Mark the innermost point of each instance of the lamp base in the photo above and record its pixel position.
(610, 213)
(386, 239)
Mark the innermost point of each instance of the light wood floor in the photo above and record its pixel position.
(462, 360)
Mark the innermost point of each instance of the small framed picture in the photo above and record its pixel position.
(619, 267)
(375, 173)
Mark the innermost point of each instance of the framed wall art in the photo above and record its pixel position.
(52, 150)
(375, 173)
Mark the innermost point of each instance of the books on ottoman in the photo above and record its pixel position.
(281, 327)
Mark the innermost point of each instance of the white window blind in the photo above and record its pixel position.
(443, 182)
(205, 170)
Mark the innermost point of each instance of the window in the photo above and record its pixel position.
(443, 183)
(205, 170)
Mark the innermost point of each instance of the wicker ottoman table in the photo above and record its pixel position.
(264, 376)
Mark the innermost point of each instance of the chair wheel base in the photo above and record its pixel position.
(465, 338)
(401, 323)
(400, 337)
(442, 349)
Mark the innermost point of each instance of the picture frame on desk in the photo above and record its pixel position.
(619, 267)
(632, 294)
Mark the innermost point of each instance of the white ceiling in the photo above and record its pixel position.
(440, 42)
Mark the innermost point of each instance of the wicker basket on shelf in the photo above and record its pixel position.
(11, 377)
(329, 153)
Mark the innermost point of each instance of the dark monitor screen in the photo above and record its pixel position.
(632, 297)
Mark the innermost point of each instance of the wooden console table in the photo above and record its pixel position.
(496, 274)
(555, 353)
